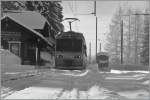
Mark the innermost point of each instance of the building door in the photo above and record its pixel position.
(31, 53)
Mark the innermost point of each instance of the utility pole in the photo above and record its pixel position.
(96, 37)
(90, 53)
(99, 47)
(121, 41)
(96, 27)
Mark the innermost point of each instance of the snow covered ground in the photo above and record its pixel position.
(127, 77)
(94, 92)
(138, 94)
(6, 91)
(88, 84)
(135, 84)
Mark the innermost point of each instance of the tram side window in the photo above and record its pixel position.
(85, 50)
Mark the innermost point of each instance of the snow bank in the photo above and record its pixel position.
(83, 95)
(147, 82)
(6, 91)
(97, 93)
(36, 93)
(76, 73)
(65, 95)
(70, 72)
(8, 58)
(139, 94)
(136, 76)
(48, 58)
(73, 94)
(8, 76)
(124, 72)
(11, 67)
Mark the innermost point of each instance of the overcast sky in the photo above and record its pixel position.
(105, 11)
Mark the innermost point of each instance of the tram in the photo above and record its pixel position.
(70, 51)
(103, 61)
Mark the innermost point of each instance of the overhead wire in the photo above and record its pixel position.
(76, 24)
(73, 10)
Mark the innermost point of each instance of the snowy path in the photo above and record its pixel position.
(65, 85)
(89, 84)
(58, 93)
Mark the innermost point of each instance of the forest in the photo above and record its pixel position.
(135, 37)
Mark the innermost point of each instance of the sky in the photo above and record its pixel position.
(87, 24)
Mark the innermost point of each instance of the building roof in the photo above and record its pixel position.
(31, 19)
(29, 28)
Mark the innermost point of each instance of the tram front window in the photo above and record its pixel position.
(103, 57)
(69, 45)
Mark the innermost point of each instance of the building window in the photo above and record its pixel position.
(4, 44)
(15, 47)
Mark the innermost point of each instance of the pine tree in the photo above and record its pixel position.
(130, 43)
(12, 5)
(51, 10)
(113, 38)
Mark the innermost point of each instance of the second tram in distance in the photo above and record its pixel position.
(103, 61)
(70, 51)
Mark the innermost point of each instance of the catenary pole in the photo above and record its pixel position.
(96, 27)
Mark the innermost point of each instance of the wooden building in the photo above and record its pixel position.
(26, 34)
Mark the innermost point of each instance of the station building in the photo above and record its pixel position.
(26, 34)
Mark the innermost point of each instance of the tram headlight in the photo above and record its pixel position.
(59, 56)
(78, 56)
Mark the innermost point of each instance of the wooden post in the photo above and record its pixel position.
(90, 53)
(37, 53)
(36, 50)
(121, 41)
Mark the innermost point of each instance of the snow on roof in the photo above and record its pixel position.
(31, 19)
(32, 30)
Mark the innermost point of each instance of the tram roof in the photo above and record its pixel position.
(102, 53)
(71, 34)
